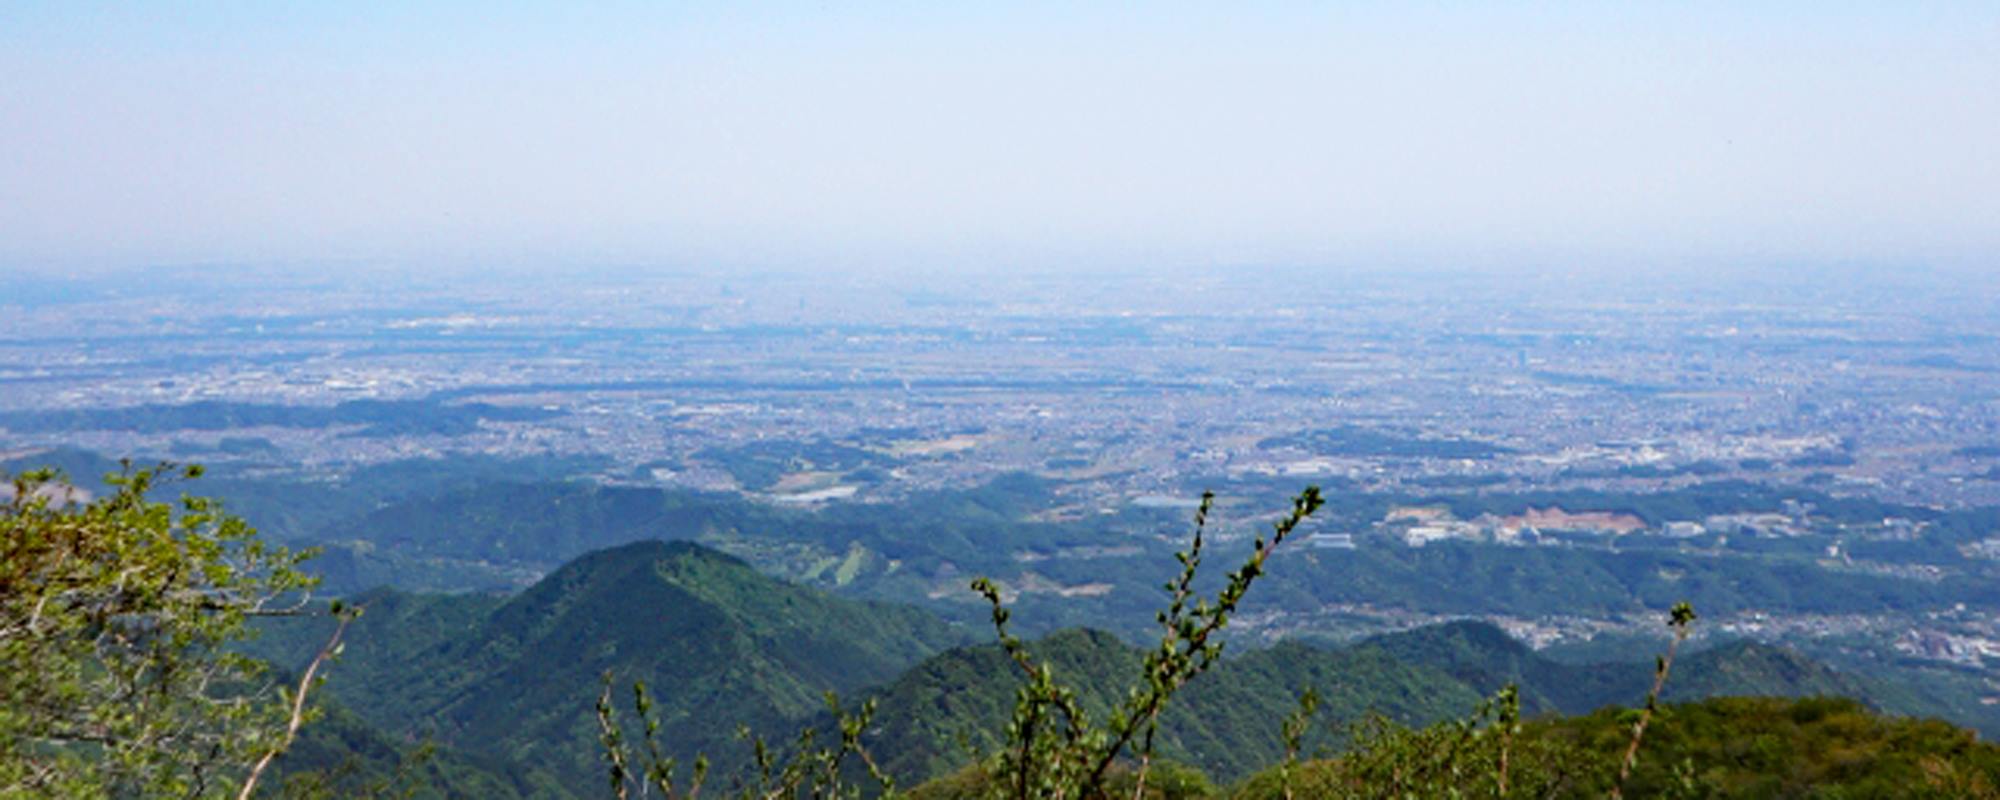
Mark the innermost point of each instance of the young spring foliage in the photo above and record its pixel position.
(1055, 749)
(116, 620)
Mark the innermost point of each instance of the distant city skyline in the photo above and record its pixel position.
(1690, 136)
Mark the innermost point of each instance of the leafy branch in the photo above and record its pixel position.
(1055, 751)
(118, 617)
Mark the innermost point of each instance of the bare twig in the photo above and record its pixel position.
(1680, 619)
(298, 717)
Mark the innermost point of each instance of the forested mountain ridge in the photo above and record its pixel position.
(515, 679)
(1224, 722)
(1484, 657)
(510, 679)
(958, 702)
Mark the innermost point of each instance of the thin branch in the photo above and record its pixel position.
(1174, 665)
(614, 748)
(1679, 619)
(298, 708)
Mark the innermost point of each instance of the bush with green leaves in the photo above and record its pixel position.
(117, 616)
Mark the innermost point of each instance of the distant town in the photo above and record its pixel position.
(1121, 389)
(1130, 395)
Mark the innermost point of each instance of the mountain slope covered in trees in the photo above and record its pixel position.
(516, 679)
(957, 703)
(509, 681)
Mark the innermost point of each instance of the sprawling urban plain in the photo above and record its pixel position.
(1815, 464)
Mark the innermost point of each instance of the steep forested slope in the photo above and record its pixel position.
(512, 680)
(721, 644)
(959, 702)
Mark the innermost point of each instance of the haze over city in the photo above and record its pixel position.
(1053, 401)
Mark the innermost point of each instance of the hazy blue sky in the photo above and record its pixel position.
(996, 134)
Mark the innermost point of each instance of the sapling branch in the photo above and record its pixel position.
(1080, 763)
(1680, 619)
